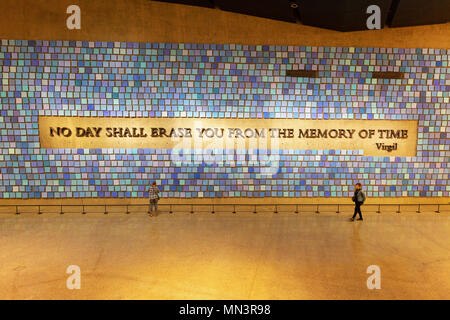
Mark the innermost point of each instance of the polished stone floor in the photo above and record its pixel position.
(225, 255)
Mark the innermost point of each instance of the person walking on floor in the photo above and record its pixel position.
(153, 195)
(358, 198)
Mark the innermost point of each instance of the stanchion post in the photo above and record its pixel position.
(379, 208)
(17, 209)
(338, 209)
(61, 211)
(254, 210)
(317, 209)
(106, 212)
(398, 209)
(296, 208)
(418, 208)
(438, 209)
(170, 209)
(213, 209)
(192, 208)
(128, 209)
(39, 210)
(276, 209)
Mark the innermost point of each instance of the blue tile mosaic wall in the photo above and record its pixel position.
(164, 80)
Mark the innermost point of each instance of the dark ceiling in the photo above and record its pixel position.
(342, 15)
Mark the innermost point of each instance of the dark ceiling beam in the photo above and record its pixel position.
(419, 12)
(199, 3)
(284, 10)
(341, 15)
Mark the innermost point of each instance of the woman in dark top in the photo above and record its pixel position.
(358, 198)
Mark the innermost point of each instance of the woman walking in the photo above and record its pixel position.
(358, 198)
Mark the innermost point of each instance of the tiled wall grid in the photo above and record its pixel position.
(167, 80)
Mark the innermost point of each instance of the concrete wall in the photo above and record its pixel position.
(152, 21)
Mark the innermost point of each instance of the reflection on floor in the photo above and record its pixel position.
(224, 255)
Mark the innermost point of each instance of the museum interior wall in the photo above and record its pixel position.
(370, 107)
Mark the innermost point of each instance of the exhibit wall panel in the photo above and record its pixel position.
(121, 84)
